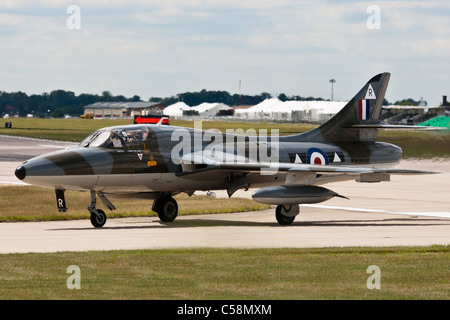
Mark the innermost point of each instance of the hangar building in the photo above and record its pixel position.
(123, 109)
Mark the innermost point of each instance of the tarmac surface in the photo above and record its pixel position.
(408, 211)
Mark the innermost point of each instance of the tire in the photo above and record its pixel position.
(167, 209)
(97, 221)
(281, 218)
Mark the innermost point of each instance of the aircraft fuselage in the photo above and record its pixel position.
(150, 166)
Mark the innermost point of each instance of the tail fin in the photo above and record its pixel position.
(358, 120)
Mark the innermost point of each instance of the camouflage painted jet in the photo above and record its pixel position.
(160, 161)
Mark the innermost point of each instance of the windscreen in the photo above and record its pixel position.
(117, 137)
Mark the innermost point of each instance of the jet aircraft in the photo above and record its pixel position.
(157, 162)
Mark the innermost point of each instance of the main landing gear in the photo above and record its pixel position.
(166, 207)
(286, 214)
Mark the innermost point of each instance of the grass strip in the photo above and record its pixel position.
(414, 144)
(326, 273)
(43, 208)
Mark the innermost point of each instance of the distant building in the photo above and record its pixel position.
(123, 109)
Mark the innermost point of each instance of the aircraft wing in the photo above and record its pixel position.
(193, 164)
(384, 126)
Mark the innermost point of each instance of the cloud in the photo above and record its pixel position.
(164, 47)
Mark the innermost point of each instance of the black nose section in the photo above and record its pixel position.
(21, 172)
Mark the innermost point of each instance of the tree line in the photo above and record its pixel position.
(56, 104)
(59, 103)
(196, 98)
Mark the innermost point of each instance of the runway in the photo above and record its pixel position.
(408, 211)
(314, 228)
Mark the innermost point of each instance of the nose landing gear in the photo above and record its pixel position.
(98, 216)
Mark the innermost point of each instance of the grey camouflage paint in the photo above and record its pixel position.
(147, 167)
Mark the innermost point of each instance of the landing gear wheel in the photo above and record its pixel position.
(167, 209)
(98, 220)
(281, 218)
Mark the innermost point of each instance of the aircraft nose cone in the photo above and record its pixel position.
(21, 172)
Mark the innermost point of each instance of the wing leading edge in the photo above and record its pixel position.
(274, 167)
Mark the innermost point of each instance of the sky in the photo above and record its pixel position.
(159, 48)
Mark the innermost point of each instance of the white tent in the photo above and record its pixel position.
(269, 109)
(205, 109)
(209, 109)
(274, 109)
(176, 109)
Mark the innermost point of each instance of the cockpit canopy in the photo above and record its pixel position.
(127, 137)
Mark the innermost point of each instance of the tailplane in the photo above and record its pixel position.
(359, 119)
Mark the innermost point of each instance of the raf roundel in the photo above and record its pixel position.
(317, 156)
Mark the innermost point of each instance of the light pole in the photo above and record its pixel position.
(332, 83)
